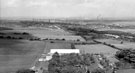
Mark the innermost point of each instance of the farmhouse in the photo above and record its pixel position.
(60, 51)
(64, 51)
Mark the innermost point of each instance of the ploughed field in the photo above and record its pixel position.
(18, 54)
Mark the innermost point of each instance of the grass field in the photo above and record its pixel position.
(96, 48)
(56, 45)
(41, 32)
(16, 54)
(118, 44)
(125, 45)
(121, 30)
(109, 41)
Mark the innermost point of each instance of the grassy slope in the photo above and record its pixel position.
(18, 54)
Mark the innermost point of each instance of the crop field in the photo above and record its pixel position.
(18, 54)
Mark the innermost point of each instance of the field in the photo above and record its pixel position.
(42, 32)
(98, 49)
(17, 54)
(122, 30)
(109, 41)
(56, 45)
(118, 44)
(125, 45)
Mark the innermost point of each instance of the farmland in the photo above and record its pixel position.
(122, 30)
(41, 32)
(21, 53)
(117, 43)
(56, 45)
(110, 41)
(125, 45)
(17, 54)
(96, 48)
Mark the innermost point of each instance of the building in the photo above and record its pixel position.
(64, 51)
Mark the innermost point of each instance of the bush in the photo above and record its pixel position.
(127, 55)
(25, 33)
(98, 70)
(63, 39)
(2, 37)
(78, 39)
(51, 41)
(8, 37)
(70, 63)
(25, 71)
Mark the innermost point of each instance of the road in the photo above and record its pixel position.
(39, 66)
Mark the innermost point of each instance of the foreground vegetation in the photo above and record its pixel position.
(73, 63)
(127, 57)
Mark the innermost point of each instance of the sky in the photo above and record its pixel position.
(67, 8)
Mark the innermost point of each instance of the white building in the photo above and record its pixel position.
(64, 51)
(60, 51)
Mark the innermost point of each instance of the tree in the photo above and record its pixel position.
(72, 69)
(73, 46)
(53, 66)
(69, 63)
(127, 55)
